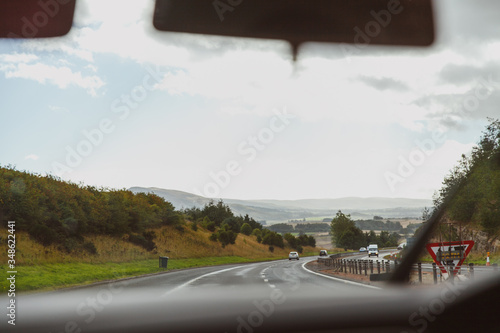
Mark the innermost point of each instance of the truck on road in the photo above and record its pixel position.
(373, 250)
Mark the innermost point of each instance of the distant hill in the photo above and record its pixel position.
(284, 210)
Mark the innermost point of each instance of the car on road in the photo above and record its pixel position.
(293, 255)
(323, 253)
(373, 250)
(362, 249)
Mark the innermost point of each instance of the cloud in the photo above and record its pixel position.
(476, 96)
(45, 68)
(69, 44)
(384, 83)
(62, 77)
(466, 74)
(31, 157)
(57, 108)
(18, 58)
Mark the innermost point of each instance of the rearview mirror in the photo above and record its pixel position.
(382, 22)
(35, 18)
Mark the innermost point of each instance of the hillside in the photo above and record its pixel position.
(174, 242)
(73, 227)
(283, 210)
(50, 267)
(470, 194)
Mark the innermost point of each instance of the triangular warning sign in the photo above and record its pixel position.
(445, 253)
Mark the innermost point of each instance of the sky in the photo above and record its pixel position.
(117, 104)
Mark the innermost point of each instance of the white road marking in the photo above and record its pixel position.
(339, 280)
(243, 272)
(198, 278)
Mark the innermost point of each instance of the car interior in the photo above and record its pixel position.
(408, 24)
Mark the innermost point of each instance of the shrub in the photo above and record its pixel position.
(226, 237)
(69, 245)
(246, 229)
(145, 240)
(210, 226)
(89, 247)
(43, 234)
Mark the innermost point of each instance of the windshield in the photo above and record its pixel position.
(129, 151)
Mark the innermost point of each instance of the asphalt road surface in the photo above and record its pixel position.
(277, 296)
(240, 288)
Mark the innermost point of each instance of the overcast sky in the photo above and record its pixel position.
(117, 104)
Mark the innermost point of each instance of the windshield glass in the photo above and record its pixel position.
(129, 151)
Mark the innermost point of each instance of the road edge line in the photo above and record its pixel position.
(337, 279)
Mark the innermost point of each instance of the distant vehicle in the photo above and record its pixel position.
(373, 250)
(323, 253)
(362, 249)
(293, 255)
(401, 246)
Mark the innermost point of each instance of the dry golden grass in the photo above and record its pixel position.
(170, 242)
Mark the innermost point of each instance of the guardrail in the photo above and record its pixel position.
(358, 266)
(373, 267)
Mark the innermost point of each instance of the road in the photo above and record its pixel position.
(244, 288)
(286, 275)
(277, 296)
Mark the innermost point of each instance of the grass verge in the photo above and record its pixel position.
(53, 276)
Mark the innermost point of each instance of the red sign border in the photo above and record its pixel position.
(441, 267)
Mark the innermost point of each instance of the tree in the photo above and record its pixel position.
(345, 234)
(246, 229)
(371, 238)
(273, 238)
(426, 214)
(232, 223)
(257, 232)
(226, 236)
(217, 212)
(471, 190)
(291, 240)
(305, 240)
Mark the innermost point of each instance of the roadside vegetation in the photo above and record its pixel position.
(69, 234)
(347, 235)
(471, 195)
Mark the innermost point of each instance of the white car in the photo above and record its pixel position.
(293, 255)
(363, 249)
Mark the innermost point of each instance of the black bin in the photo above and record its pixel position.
(163, 262)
